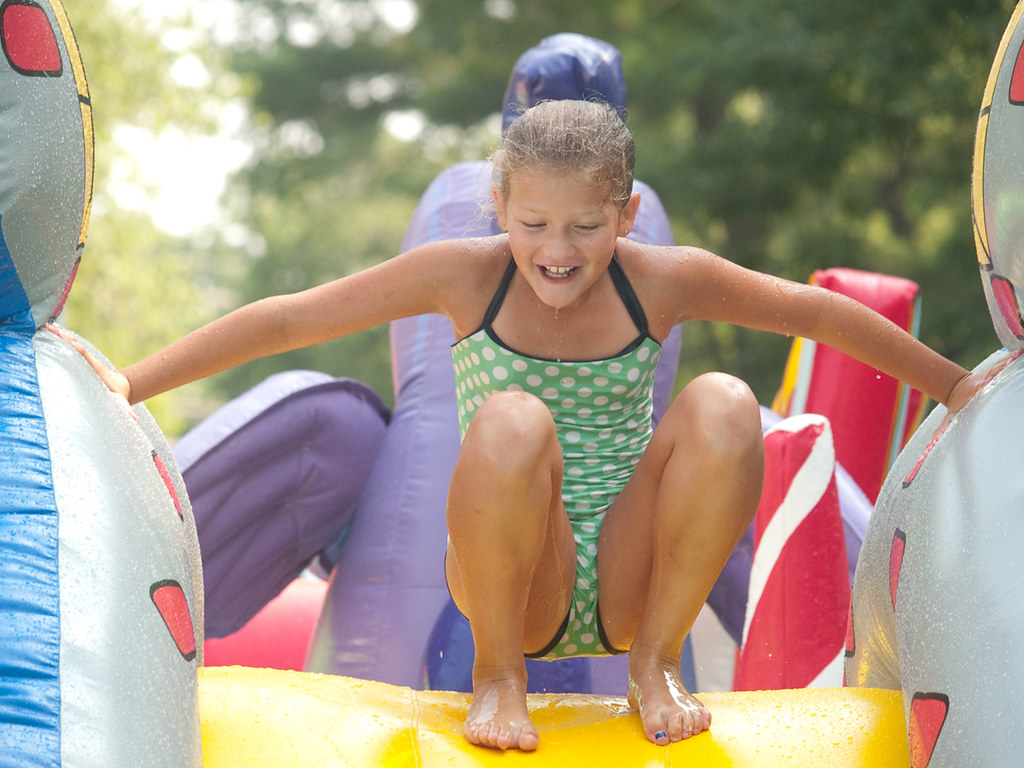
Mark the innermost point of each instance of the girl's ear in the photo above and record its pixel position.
(627, 215)
(499, 207)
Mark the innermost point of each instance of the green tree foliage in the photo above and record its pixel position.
(813, 135)
(787, 135)
(784, 134)
(138, 288)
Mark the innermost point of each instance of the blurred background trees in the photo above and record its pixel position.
(786, 135)
(140, 285)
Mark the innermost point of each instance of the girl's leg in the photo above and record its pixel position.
(668, 535)
(511, 561)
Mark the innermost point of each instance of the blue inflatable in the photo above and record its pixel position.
(100, 581)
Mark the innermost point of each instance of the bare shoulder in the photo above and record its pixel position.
(472, 260)
(665, 278)
(458, 276)
(657, 263)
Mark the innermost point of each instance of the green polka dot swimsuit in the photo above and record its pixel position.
(602, 410)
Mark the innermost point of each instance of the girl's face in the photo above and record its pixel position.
(562, 230)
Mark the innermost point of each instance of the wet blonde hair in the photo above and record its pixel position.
(571, 136)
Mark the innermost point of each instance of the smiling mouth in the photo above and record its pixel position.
(558, 273)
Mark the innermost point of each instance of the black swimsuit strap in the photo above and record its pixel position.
(628, 295)
(619, 279)
(499, 295)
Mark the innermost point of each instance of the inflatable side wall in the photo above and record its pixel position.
(100, 582)
(938, 595)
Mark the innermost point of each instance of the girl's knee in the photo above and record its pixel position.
(510, 415)
(511, 430)
(719, 414)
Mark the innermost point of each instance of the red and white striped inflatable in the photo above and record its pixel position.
(799, 591)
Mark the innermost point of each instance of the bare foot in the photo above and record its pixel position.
(498, 717)
(667, 710)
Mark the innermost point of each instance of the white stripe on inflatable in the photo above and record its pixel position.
(804, 493)
(904, 392)
(804, 372)
(832, 675)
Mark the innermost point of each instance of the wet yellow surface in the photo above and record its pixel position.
(259, 717)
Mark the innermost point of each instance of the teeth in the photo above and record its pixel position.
(558, 271)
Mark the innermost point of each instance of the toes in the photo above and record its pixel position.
(694, 719)
(494, 736)
(666, 728)
(505, 738)
(477, 735)
(502, 739)
(528, 740)
(668, 711)
(658, 728)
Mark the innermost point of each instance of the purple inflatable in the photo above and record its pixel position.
(274, 476)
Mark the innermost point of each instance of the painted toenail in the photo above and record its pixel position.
(660, 735)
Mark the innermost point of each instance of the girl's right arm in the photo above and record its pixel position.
(416, 282)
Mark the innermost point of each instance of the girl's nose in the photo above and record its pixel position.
(558, 243)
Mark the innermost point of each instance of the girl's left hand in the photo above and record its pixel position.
(971, 384)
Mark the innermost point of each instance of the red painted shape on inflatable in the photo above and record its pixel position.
(924, 454)
(166, 477)
(863, 404)
(1017, 80)
(799, 625)
(1006, 298)
(169, 599)
(899, 546)
(927, 716)
(67, 288)
(851, 640)
(28, 39)
(278, 636)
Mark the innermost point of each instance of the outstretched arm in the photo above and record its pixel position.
(254, 330)
(736, 295)
(408, 284)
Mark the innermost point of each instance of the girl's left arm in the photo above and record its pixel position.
(755, 300)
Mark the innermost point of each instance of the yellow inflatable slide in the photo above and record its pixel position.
(279, 719)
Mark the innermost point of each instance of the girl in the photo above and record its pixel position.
(561, 485)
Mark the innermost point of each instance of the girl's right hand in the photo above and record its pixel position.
(114, 380)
